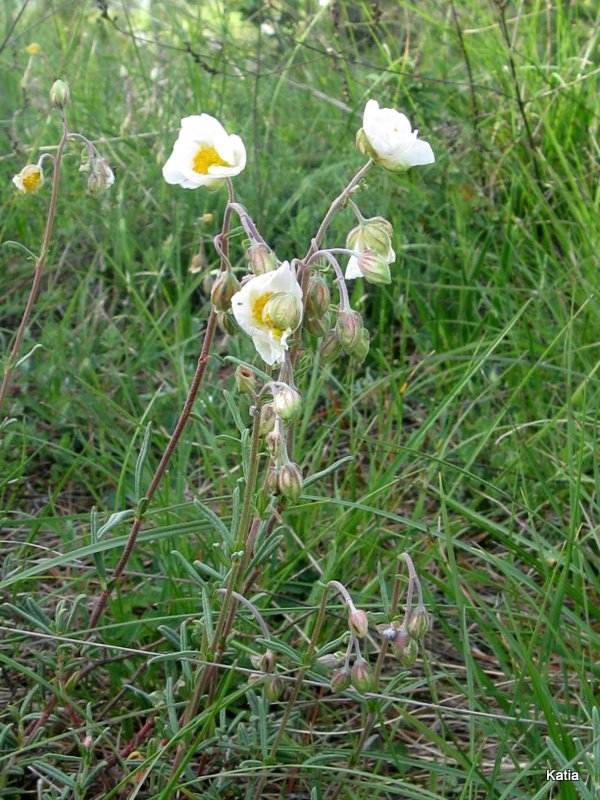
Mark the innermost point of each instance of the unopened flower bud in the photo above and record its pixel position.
(261, 259)
(273, 689)
(87, 742)
(318, 297)
(374, 268)
(317, 325)
(331, 660)
(224, 287)
(272, 481)
(340, 680)
(267, 419)
(289, 482)
(330, 347)
(245, 380)
(226, 323)
(361, 350)
(196, 264)
(59, 94)
(349, 327)
(419, 621)
(358, 622)
(400, 642)
(254, 677)
(409, 655)
(361, 676)
(274, 443)
(287, 403)
(282, 310)
(264, 662)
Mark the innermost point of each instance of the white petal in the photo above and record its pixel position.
(353, 270)
(268, 349)
(420, 153)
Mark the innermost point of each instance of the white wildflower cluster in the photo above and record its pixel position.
(277, 300)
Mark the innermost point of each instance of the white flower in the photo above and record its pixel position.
(204, 154)
(30, 179)
(248, 306)
(387, 137)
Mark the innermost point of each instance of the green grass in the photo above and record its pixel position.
(472, 425)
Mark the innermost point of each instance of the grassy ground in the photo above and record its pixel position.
(473, 424)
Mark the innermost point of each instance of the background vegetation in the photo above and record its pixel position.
(473, 423)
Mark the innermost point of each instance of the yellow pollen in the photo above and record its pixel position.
(32, 180)
(208, 157)
(257, 312)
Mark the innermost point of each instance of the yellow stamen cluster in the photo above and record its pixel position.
(207, 157)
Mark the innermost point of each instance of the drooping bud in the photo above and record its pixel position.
(274, 443)
(245, 380)
(330, 347)
(289, 482)
(361, 350)
(224, 287)
(272, 482)
(317, 325)
(273, 689)
(254, 677)
(349, 327)
(419, 622)
(340, 680)
(267, 419)
(226, 323)
(318, 297)
(261, 259)
(358, 622)
(264, 662)
(374, 268)
(282, 310)
(287, 403)
(101, 177)
(400, 642)
(409, 655)
(331, 660)
(361, 676)
(59, 94)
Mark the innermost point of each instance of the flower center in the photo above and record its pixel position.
(258, 306)
(32, 180)
(207, 157)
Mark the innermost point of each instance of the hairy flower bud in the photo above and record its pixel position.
(282, 310)
(287, 403)
(408, 656)
(101, 177)
(273, 689)
(317, 325)
(226, 323)
(349, 327)
(267, 419)
(245, 380)
(289, 482)
(361, 676)
(330, 347)
(274, 443)
(358, 622)
(331, 660)
(224, 287)
(264, 662)
(59, 94)
(340, 680)
(361, 350)
(374, 268)
(261, 259)
(419, 621)
(318, 297)
(400, 641)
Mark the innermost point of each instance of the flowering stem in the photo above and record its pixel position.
(341, 281)
(339, 200)
(247, 222)
(253, 610)
(39, 266)
(344, 592)
(175, 436)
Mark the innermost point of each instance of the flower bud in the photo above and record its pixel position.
(331, 660)
(409, 655)
(330, 347)
(374, 268)
(102, 177)
(254, 677)
(245, 380)
(361, 676)
(317, 326)
(274, 443)
(287, 403)
(400, 642)
(272, 482)
(372, 234)
(419, 621)
(358, 622)
(289, 482)
(273, 689)
(59, 94)
(226, 323)
(318, 297)
(267, 419)
(224, 287)
(197, 265)
(349, 327)
(282, 310)
(264, 662)
(30, 179)
(340, 680)
(261, 259)
(361, 350)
